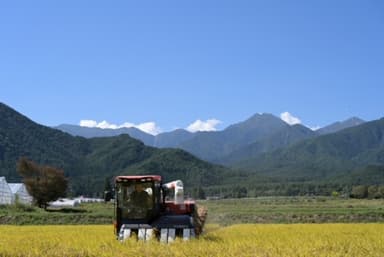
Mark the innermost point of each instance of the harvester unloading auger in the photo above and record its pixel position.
(146, 208)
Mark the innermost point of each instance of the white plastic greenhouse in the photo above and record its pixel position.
(20, 192)
(9, 192)
(5, 192)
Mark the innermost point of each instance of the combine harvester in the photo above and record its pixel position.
(146, 208)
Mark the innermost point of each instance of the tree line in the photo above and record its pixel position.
(46, 183)
(289, 189)
(370, 192)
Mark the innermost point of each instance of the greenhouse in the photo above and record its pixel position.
(5, 192)
(20, 193)
(10, 192)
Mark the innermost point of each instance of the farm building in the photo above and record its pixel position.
(19, 191)
(5, 192)
(9, 192)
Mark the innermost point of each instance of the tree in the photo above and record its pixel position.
(359, 192)
(240, 192)
(196, 192)
(380, 191)
(43, 183)
(107, 190)
(372, 192)
(335, 194)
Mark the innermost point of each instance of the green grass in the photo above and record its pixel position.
(294, 210)
(88, 213)
(222, 212)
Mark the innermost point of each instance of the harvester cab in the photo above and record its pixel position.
(146, 208)
(137, 199)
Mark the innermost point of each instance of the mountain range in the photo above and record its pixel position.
(326, 155)
(258, 134)
(262, 154)
(266, 146)
(89, 162)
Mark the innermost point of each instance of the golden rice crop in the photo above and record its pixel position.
(238, 240)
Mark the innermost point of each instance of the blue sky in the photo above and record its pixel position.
(167, 64)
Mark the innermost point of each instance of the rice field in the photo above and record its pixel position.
(236, 240)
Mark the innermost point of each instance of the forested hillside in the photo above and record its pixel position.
(284, 160)
(329, 155)
(89, 162)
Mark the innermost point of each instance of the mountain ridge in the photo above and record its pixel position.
(105, 132)
(334, 153)
(279, 139)
(340, 125)
(262, 131)
(285, 156)
(88, 162)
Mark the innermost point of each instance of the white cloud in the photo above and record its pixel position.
(127, 125)
(315, 128)
(199, 125)
(106, 125)
(289, 118)
(88, 123)
(148, 127)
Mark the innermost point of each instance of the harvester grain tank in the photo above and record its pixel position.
(146, 208)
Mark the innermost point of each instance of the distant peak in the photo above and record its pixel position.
(262, 115)
(355, 119)
(339, 125)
